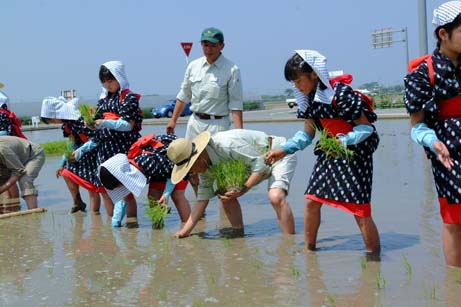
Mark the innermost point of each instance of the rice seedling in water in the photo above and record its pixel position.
(156, 212)
(163, 295)
(295, 272)
(458, 277)
(229, 175)
(407, 266)
(331, 300)
(332, 148)
(380, 281)
(364, 263)
(258, 264)
(88, 113)
(433, 294)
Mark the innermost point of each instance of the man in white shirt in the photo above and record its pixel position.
(213, 84)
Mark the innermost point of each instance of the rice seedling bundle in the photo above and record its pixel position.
(156, 212)
(332, 148)
(88, 113)
(229, 175)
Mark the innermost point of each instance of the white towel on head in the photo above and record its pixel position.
(132, 179)
(319, 64)
(446, 13)
(118, 70)
(59, 108)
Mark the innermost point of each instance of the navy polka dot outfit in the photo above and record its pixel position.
(86, 168)
(421, 95)
(112, 142)
(154, 162)
(339, 182)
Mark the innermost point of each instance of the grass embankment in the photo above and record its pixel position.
(56, 148)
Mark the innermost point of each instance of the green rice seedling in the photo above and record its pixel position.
(433, 294)
(332, 148)
(88, 113)
(295, 272)
(229, 175)
(407, 266)
(380, 281)
(258, 264)
(163, 295)
(69, 150)
(227, 242)
(458, 277)
(331, 300)
(156, 212)
(364, 263)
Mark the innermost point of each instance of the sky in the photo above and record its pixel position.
(51, 45)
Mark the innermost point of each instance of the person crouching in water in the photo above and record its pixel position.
(197, 157)
(335, 181)
(125, 176)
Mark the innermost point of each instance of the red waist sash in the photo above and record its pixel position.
(334, 126)
(449, 108)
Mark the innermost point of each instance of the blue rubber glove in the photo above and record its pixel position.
(119, 124)
(88, 146)
(3, 132)
(299, 141)
(358, 134)
(62, 161)
(169, 188)
(423, 135)
(119, 213)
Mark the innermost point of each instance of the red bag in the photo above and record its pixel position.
(418, 61)
(137, 147)
(347, 79)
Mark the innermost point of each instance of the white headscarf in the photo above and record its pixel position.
(118, 70)
(446, 13)
(60, 108)
(319, 64)
(131, 178)
(4, 100)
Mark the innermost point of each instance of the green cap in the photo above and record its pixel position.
(212, 35)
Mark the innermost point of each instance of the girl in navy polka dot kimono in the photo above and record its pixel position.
(339, 111)
(118, 123)
(432, 97)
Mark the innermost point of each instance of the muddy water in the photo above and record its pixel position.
(58, 259)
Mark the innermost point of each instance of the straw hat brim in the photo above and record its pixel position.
(180, 171)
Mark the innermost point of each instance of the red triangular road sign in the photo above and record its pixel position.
(187, 46)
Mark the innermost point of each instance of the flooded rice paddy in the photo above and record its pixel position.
(59, 259)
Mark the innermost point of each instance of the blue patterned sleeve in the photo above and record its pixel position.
(419, 93)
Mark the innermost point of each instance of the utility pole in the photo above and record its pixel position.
(422, 16)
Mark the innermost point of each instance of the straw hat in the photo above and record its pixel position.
(132, 179)
(183, 153)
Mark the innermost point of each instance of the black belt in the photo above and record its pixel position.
(208, 116)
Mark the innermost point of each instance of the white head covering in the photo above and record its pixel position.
(446, 13)
(132, 179)
(319, 64)
(60, 108)
(4, 100)
(118, 70)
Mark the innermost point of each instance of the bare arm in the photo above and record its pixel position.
(178, 109)
(237, 118)
(194, 217)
